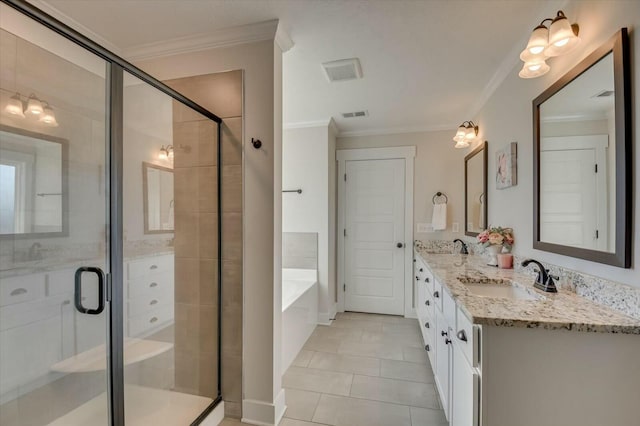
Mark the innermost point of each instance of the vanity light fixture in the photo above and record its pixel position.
(34, 106)
(546, 42)
(466, 132)
(15, 106)
(166, 153)
(48, 117)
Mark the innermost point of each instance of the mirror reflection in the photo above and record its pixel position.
(476, 190)
(32, 183)
(158, 198)
(577, 162)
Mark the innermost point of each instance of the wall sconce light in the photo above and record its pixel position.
(166, 153)
(32, 107)
(546, 42)
(466, 132)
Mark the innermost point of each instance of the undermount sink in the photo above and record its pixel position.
(501, 291)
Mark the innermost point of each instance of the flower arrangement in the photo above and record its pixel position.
(496, 236)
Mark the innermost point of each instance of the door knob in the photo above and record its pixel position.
(399, 245)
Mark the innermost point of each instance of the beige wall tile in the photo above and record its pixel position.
(185, 182)
(207, 143)
(185, 144)
(208, 336)
(187, 280)
(232, 144)
(207, 189)
(231, 236)
(209, 374)
(232, 189)
(186, 234)
(232, 377)
(232, 282)
(220, 93)
(208, 282)
(232, 330)
(208, 236)
(187, 372)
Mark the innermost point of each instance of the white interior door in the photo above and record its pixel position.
(568, 198)
(374, 264)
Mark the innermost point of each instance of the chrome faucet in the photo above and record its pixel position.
(463, 247)
(544, 280)
(34, 252)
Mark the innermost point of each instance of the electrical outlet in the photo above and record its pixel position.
(455, 227)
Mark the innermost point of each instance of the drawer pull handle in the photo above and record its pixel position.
(426, 325)
(153, 302)
(426, 302)
(444, 333)
(421, 270)
(18, 291)
(427, 348)
(436, 294)
(426, 280)
(417, 278)
(462, 335)
(153, 267)
(447, 341)
(153, 285)
(154, 319)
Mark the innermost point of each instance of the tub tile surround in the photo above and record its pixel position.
(300, 250)
(611, 294)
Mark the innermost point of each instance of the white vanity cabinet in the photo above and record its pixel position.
(149, 295)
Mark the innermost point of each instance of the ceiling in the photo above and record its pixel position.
(427, 64)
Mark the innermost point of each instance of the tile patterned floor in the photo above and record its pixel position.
(363, 370)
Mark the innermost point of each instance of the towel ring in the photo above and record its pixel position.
(480, 198)
(439, 194)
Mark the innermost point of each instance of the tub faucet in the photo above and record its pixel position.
(463, 247)
(34, 252)
(544, 280)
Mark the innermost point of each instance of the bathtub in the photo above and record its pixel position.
(299, 311)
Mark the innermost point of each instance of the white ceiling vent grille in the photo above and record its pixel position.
(355, 114)
(604, 94)
(342, 70)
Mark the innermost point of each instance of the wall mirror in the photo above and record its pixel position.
(582, 159)
(475, 190)
(33, 184)
(157, 184)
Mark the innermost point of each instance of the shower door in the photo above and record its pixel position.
(54, 217)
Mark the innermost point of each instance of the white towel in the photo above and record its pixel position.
(439, 219)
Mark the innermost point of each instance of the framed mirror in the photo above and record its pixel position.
(33, 184)
(582, 159)
(157, 185)
(475, 190)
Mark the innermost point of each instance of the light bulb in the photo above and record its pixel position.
(34, 106)
(563, 37)
(534, 69)
(15, 106)
(170, 149)
(539, 40)
(461, 144)
(162, 155)
(536, 49)
(48, 117)
(561, 42)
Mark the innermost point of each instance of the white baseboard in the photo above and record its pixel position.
(333, 310)
(215, 417)
(325, 318)
(411, 314)
(263, 413)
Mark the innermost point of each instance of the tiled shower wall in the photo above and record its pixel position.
(220, 93)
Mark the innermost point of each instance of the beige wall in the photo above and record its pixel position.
(507, 115)
(438, 167)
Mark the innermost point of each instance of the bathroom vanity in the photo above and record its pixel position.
(505, 354)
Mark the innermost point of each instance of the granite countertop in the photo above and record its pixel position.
(553, 311)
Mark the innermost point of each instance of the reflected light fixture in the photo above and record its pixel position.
(34, 106)
(166, 153)
(546, 42)
(466, 132)
(48, 117)
(15, 106)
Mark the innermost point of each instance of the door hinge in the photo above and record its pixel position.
(344, 287)
(345, 232)
(597, 234)
(345, 177)
(596, 168)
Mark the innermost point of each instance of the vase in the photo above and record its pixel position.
(493, 251)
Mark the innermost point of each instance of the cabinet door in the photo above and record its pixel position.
(442, 361)
(466, 391)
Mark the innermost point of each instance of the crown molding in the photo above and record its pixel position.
(67, 20)
(283, 40)
(513, 57)
(333, 126)
(303, 124)
(225, 37)
(397, 130)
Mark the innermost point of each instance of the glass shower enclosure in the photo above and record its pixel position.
(109, 314)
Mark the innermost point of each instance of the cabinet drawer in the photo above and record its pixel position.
(448, 309)
(467, 337)
(148, 302)
(60, 282)
(148, 321)
(152, 284)
(20, 289)
(152, 265)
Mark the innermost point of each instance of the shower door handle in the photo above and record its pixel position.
(78, 290)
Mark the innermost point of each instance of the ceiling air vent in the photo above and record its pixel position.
(342, 70)
(604, 94)
(355, 114)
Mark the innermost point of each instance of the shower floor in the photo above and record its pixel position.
(143, 407)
